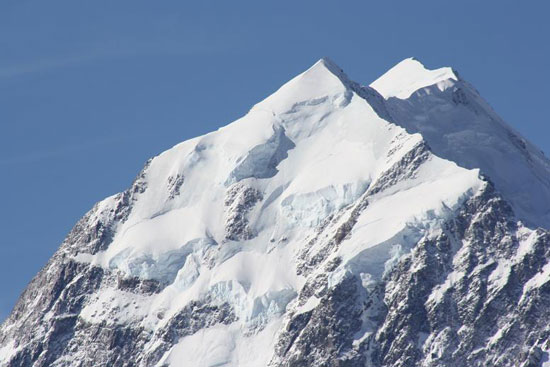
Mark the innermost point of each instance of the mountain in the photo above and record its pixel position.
(397, 224)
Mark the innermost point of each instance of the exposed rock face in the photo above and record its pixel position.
(328, 227)
(240, 200)
(458, 298)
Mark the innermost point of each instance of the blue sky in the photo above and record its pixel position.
(90, 90)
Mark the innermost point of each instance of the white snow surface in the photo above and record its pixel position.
(312, 149)
(222, 345)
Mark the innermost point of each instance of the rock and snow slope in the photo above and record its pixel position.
(333, 225)
(460, 126)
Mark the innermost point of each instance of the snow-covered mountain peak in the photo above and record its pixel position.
(330, 225)
(324, 80)
(410, 75)
(331, 66)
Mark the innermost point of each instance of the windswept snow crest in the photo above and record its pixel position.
(410, 76)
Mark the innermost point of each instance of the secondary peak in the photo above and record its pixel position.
(408, 76)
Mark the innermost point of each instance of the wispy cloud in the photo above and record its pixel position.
(11, 71)
(37, 156)
(114, 49)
